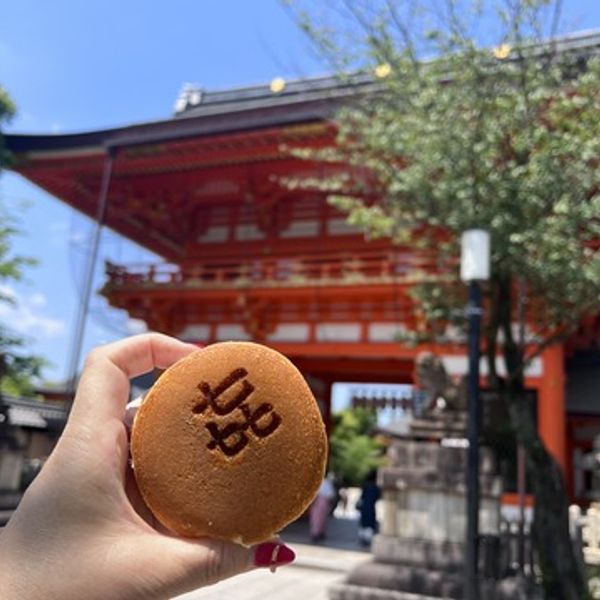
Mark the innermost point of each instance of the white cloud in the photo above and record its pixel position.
(7, 292)
(38, 299)
(26, 315)
(135, 326)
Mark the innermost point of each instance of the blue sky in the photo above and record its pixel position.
(72, 66)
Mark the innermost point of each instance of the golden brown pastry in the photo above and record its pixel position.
(229, 443)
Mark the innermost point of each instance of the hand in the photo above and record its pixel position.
(81, 530)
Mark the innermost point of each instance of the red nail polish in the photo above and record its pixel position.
(272, 555)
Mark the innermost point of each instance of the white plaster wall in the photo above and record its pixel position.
(290, 332)
(196, 332)
(231, 331)
(214, 234)
(338, 332)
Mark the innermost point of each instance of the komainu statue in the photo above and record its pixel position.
(442, 393)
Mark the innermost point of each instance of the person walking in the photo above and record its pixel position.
(368, 499)
(320, 510)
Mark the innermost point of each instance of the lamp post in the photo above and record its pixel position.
(474, 268)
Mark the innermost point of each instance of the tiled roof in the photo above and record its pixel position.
(201, 113)
(35, 414)
(193, 100)
(26, 417)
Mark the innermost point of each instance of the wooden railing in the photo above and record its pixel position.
(365, 267)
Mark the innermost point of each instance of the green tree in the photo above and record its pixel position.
(7, 112)
(354, 451)
(454, 135)
(18, 370)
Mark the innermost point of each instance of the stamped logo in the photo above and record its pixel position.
(233, 436)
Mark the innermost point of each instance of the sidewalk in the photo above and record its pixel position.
(315, 569)
(288, 583)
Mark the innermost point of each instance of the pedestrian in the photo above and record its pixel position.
(342, 502)
(82, 530)
(321, 509)
(370, 494)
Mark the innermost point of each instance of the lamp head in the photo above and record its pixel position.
(475, 255)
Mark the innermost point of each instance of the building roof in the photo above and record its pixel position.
(194, 101)
(234, 139)
(200, 112)
(210, 113)
(35, 414)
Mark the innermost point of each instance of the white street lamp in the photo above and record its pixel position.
(474, 268)
(475, 255)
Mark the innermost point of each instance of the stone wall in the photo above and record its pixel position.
(420, 551)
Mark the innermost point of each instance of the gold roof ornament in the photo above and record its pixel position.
(383, 70)
(501, 52)
(277, 85)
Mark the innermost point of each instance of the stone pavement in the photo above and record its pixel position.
(288, 583)
(315, 569)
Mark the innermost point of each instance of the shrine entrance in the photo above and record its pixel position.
(244, 255)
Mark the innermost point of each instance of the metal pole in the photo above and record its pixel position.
(521, 486)
(473, 427)
(521, 458)
(84, 301)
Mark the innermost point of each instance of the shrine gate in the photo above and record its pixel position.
(247, 257)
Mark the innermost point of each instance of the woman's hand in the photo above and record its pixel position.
(81, 530)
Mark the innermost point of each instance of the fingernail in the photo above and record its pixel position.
(271, 554)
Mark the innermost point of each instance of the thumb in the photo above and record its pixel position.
(189, 564)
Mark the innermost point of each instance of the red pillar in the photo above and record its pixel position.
(551, 404)
(322, 389)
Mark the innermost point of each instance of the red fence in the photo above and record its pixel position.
(324, 269)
